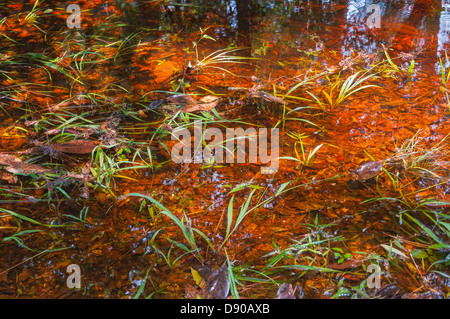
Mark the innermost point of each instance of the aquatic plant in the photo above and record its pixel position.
(304, 159)
(444, 79)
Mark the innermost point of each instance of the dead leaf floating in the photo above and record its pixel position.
(10, 179)
(205, 104)
(7, 159)
(155, 104)
(257, 93)
(214, 285)
(75, 147)
(16, 166)
(346, 264)
(217, 285)
(286, 291)
(197, 278)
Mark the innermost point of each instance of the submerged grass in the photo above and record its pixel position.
(78, 57)
(416, 157)
(218, 57)
(421, 214)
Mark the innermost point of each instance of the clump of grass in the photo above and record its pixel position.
(426, 162)
(218, 57)
(444, 79)
(222, 56)
(242, 213)
(350, 86)
(305, 159)
(425, 220)
(106, 168)
(233, 224)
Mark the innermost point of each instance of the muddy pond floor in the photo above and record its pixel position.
(102, 125)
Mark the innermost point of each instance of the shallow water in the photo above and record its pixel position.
(288, 42)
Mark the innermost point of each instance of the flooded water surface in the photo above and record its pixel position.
(224, 149)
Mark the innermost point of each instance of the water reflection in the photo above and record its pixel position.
(296, 34)
(444, 29)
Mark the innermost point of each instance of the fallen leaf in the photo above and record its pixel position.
(7, 159)
(286, 291)
(217, 285)
(347, 264)
(197, 278)
(206, 104)
(389, 290)
(367, 170)
(270, 98)
(393, 250)
(16, 166)
(26, 169)
(154, 104)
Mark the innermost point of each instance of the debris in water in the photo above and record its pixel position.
(206, 104)
(75, 147)
(286, 291)
(16, 166)
(367, 171)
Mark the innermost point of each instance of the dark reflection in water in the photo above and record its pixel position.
(409, 26)
(397, 18)
(291, 29)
